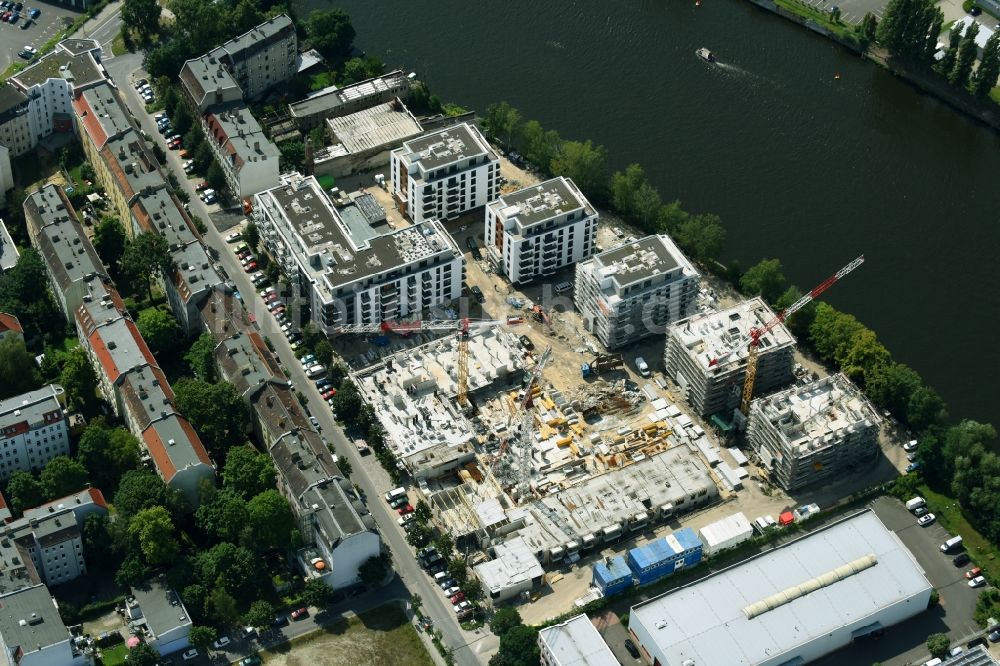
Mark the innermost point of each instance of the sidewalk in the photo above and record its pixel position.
(104, 15)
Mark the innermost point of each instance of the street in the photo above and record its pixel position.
(469, 647)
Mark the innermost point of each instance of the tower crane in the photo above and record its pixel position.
(522, 436)
(753, 338)
(463, 327)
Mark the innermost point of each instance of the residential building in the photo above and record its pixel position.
(15, 128)
(444, 174)
(33, 430)
(706, 355)
(10, 327)
(50, 85)
(635, 290)
(813, 433)
(8, 250)
(575, 642)
(6, 184)
(71, 262)
(248, 158)
(851, 578)
(82, 504)
(32, 632)
(513, 571)
(541, 229)
(362, 140)
(207, 83)
(156, 613)
(261, 58)
(333, 102)
(349, 272)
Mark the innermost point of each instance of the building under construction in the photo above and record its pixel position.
(813, 433)
(707, 356)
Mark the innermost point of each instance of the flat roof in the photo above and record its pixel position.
(538, 203)
(61, 240)
(378, 127)
(325, 244)
(640, 260)
(445, 146)
(328, 99)
(275, 27)
(712, 340)
(514, 564)
(11, 98)
(576, 642)
(30, 620)
(812, 411)
(133, 168)
(31, 406)
(161, 607)
(204, 76)
(98, 105)
(720, 619)
(243, 135)
(72, 60)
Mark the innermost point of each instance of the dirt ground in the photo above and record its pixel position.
(381, 637)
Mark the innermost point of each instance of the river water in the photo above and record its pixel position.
(799, 165)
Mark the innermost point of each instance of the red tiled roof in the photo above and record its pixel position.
(9, 322)
(158, 451)
(90, 123)
(97, 497)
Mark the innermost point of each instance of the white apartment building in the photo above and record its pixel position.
(575, 642)
(444, 173)
(33, 430)
(247, 157)
(539, 230)
(32, 633)
(262, 57)
(635, 290)
(15, 126)
(349, 271)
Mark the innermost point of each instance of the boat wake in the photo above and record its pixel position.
(736, 71)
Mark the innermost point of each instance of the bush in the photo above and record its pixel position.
(968, 6)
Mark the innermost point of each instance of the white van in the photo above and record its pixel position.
(915, 503)
(394, 493)
(641, 366)
(951, 544)
(563, 287)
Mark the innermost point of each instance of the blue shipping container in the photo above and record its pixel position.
(663, 557)
(689, 544)
(612, 576)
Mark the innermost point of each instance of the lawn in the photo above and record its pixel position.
(382, 636)
(950, 516)
(115, 655)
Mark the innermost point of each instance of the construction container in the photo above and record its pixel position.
(663, 557)
(726, 533)
(612, 576)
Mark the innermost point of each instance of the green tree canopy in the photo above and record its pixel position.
(270, 520)
(18, 373)
(893, 387)
(215, 177)
(540, 146)
(765, 279)
(359, 69)
(143, 655)
(109, 241)
(330, 32)
(24, 491)
(938, 644)
(505, 619)
(832, 332)
(260, 614)
(22, 294)
(316, 593)
(224, 515)
(222, 607)
(146, 257)
(153, 531)
(217, 412)
(501, 121)
(985, 78)
(967, 51)
(78, 378)
(248, 472)
(585, 164)
(905, 27)
(202, 637)
(347, 401)
(518, 647)
(63, 476)
(107, 453)
(159, 329)
(635, 198)
(701, 236)
(143, 16)
(141, 489)
(372, 571)
(200, 357)
(233, 569)
(866, 358)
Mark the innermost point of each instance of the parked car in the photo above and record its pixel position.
(188, 166)
(452, 591)
(141, 83)
(300, 613)
(233, 237)
(209, 198)
(405, 509)
(631, 648)
(399, 501)
(404, 521)
(221, 643)
(978, 581)
(200, 187)
(174, 144)
(251, 267)
(910, 445)
(477, 293)
(920, 511)
(994, 636)
(925, 519)
(973, 572)
(448, 583)
(961, 559)
(308, 358)
(252, 660)
(912, 467)
(34, 13)
(190, 654)
(329, 393)
(314, 421)
(526, 342)
(462, 606)
(457, 598)
(279, 621)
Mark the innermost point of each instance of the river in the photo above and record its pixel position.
(799, 165)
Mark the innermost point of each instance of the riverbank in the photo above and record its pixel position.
(985, 111)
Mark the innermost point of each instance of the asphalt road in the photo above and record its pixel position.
(470, 648)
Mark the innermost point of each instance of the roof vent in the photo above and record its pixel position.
(171, 441)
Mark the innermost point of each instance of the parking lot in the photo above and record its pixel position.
(12, 38)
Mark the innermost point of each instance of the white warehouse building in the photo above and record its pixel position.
(444, 173)
(791, 605)
(540, 229)
(351, 272)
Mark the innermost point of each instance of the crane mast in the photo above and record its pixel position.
(757, 333)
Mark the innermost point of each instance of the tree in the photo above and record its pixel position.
(419, 535)
(260, 614)
(214, 176)
(24, 491)
(947, 63)
(248, 472)
(539, 146)
(97, 539)
(316, 593)
(518, 647)
(251, 235)
(893, 387)
(225, 515)
(868, 28)
(347, 402)
(933, 33)
(372, 571)
(270, 520)
(422, 511)
(22, 294)
(143, 655)
(234, 569)
(501, 120)
(985, 78)
(78, 378)
(221, 607)
(925, 408)
(505, 619)
(216, 411)
(204, 158)
(147, 256)
(359, 69)
(583, 163)
(133, 571)
(159, 329)
(153, 530)
(141, 489)
(201, 637)
(905, 27)
(765, 279)
(832, 332)
(109, 241)
(18, 373)
(201, 357)
(799, 322)
(445, 545)
(938, 644)
(701, 236)
(323, 351)
(293, 155)
(866, 358)
(330, 32)
(458, 569)
(107, 453)
(143, 16)
(244, 16)
(959, 75)
(63, 476)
